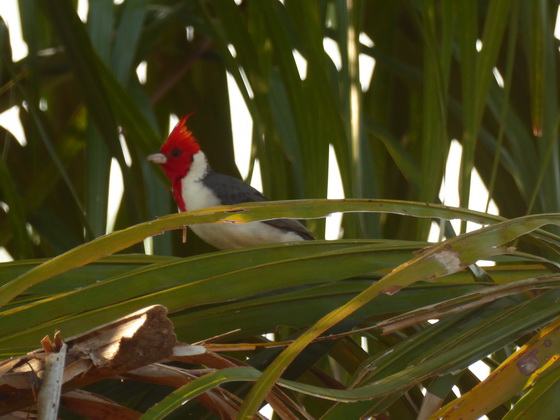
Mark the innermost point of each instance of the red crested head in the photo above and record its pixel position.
(179, 149)
(176, 156)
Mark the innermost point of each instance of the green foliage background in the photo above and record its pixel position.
(78, 92)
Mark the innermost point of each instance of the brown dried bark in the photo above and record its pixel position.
(136, 340)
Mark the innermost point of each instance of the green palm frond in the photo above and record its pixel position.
(335, 329)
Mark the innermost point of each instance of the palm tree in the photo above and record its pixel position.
(349, 319)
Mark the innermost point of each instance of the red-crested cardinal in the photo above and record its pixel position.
(196, 186)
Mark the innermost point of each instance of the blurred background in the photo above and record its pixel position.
(375, 92)
(452, 102)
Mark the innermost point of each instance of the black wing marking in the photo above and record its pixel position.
(231, 190)
(291, 225)
(234, 191)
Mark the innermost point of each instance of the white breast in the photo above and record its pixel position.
(196, 195)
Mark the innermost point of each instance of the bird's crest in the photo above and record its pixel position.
(181, 138)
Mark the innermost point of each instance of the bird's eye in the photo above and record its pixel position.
(176, 153)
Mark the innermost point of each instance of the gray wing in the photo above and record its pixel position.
(292, 226)
(234, 191)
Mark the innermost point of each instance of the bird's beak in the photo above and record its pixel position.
(157, 158)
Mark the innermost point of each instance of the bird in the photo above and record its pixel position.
(196, 186)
